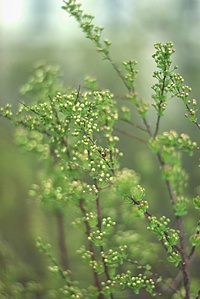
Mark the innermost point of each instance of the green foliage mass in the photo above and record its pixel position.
(74, 134)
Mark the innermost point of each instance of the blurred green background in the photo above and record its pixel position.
(40, 30)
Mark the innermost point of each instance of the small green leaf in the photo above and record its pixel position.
(196, 202)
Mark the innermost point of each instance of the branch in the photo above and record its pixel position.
(133, 124)
(185, 264)
(148, 215)
(182, 249)
(130, 135)
(177, 281)
(100, 229)
(61, 241)
(91, 249)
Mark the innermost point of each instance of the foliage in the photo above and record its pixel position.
(73, 132)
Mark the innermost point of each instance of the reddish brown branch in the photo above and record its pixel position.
(185, 263)
(130, 135)
(62, 241)
(91, 249)
(99, 227)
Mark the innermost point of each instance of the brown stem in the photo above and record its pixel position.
(182, 249)
(91, 249)
(130, 135)
(177, 281)
(185, 263)
(62, 241)
(99, 227)
(133, 124)
(185, 259)
(147, 127)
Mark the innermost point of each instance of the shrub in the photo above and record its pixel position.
(74, 133)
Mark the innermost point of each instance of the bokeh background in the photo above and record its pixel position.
(36, 30)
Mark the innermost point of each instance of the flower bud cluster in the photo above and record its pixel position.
(113, 258)
(6, 111)
(91, 31)
(131, 74)
(169, 236)
(91, 219)
(175, 258)
(183, 92)
(168, 145)
(163, 55)
(126, 184)
(85, 254)
(72, 290)
(97, 237)
(107, 287)
(126, 113)
(136, 282)
(168, 140)
(181, 206)
(72, 122)
(107, 224)
(47, 191)
(170, 84)
(42, 83)
(32, 141)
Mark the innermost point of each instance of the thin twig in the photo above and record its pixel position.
(131, 90)
(133, 124)
(149, 215)
(29, 108)
(130, 135)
